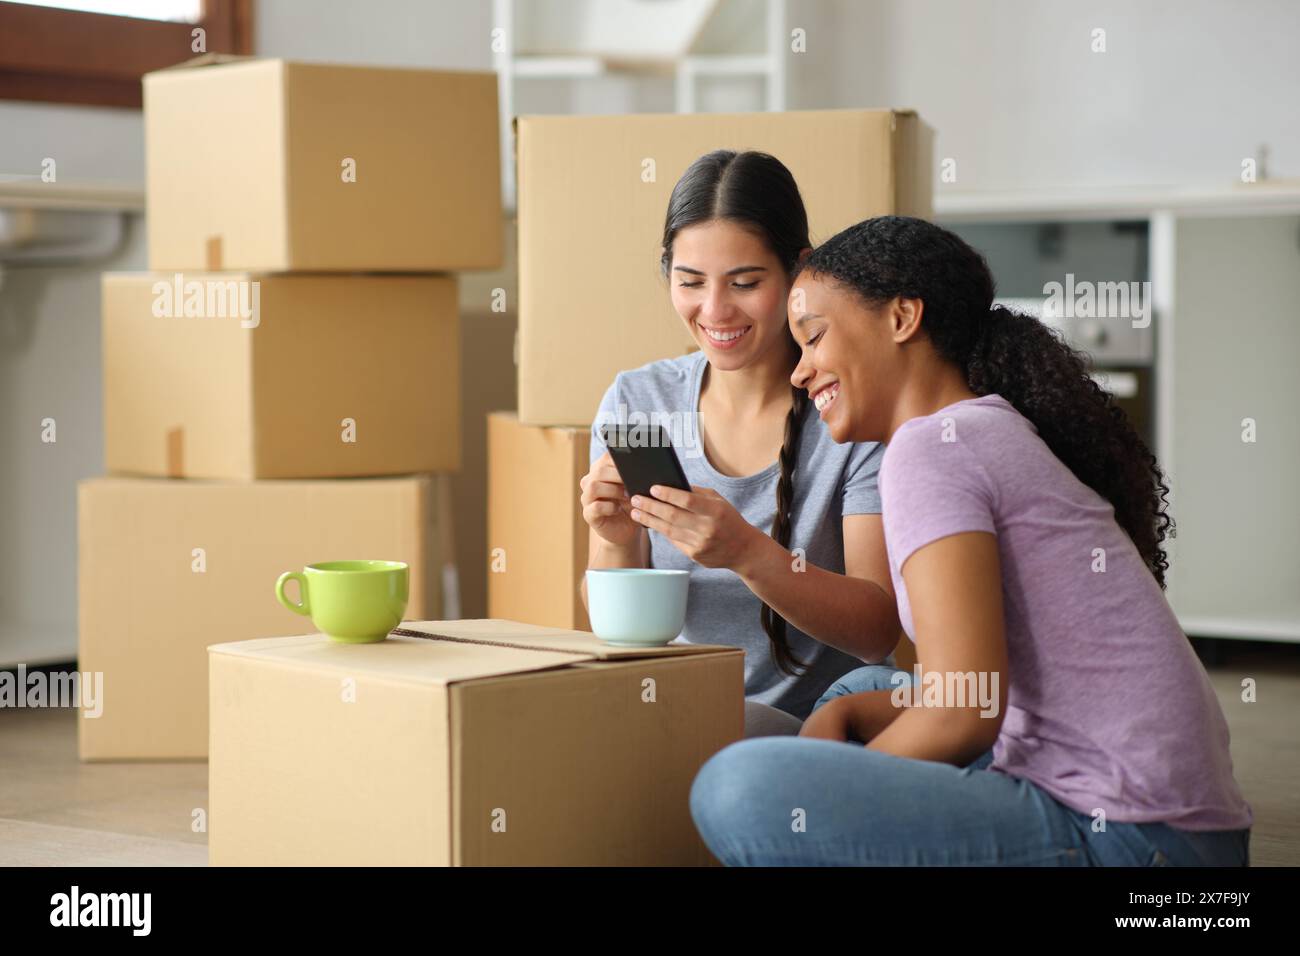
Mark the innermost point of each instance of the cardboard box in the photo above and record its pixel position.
(494, 293)
(537, 538)
(487, 342)
(270, 165)
(484, 743)
(307, 376)
(168, 567)
(585, 204)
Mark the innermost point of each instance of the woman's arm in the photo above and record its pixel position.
(954, 586)
(847, 611)
(614, 540)
(855, 717)
(602, 554)
(854, 612)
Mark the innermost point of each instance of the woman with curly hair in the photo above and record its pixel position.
(1024, 521)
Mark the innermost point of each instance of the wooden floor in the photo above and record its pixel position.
(57, 811)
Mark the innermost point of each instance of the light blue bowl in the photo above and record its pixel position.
(639, 607)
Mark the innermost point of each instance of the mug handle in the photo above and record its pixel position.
(303, 608)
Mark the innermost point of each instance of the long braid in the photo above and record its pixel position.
(773, 623)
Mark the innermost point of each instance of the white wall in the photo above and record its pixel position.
(1185, 90)
(49, 367)
(102, 144)
(449, 34)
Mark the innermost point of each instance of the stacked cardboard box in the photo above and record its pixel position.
(168, 567)
(537, 539)
(593, 192)
(283, 386)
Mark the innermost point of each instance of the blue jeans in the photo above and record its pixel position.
(797, 801)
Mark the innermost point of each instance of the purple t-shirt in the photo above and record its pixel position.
(1107, 704)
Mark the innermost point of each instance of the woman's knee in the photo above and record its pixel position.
(731, 781)
(864, 679)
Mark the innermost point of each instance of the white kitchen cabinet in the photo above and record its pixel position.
(1224, 268)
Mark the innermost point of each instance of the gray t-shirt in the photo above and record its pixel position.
(830, 481)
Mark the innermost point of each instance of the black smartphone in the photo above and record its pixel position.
(644, 456)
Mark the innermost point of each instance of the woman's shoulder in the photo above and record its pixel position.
(661, 387)
(984, 435)
(970, 418)
(659, 381)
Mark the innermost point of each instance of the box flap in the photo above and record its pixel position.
(205, 59)
(449, 651)
(535, 637)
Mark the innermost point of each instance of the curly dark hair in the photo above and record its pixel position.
(1011, 354)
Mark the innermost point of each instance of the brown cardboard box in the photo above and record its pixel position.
(495, 293)
(487, 344)
(487, 743)
(537, 539)
(248, 166)
(168, 567)
(592, 300)
(275, 386)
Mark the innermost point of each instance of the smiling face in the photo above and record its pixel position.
(850, 362)
(730, 290)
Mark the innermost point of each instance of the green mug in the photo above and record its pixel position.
(356, 602)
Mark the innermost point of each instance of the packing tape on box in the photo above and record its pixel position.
(407, 632)
(175, 453)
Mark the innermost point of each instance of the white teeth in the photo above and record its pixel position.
(725, 336)
(826, 396)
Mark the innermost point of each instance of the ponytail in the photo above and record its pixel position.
(1027, 363)
(1010, 354)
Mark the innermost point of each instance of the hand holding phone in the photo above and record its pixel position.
(644, 457)
(606, 505)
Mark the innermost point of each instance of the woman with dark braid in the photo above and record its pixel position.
(1024, 520)
(782, 533)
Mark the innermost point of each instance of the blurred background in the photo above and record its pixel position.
(1147, 142)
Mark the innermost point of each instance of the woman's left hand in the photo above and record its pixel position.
(701, 523)
(830, 721)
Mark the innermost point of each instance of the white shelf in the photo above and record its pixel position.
(28, 192)
(1133, 202)
(563, 40)
(630, 29)
(559, 67)
(725, 65)
(1243, 627)
(62, 223)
